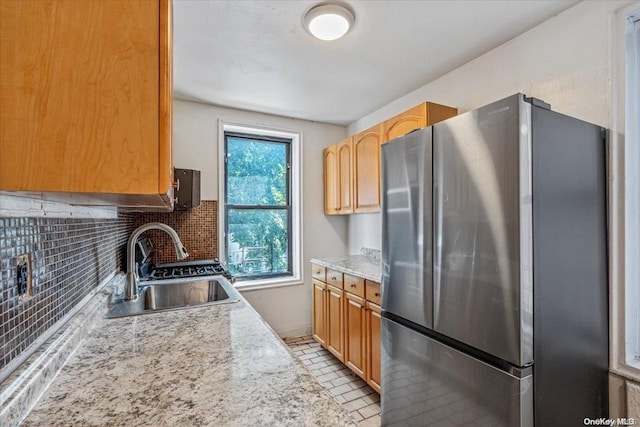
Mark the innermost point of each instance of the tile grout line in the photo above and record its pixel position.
(360, 400)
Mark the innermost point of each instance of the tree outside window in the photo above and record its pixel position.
(257, 205)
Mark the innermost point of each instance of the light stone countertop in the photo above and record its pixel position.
(364, 266)
(218, 365)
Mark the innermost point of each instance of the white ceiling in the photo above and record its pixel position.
(255, 55)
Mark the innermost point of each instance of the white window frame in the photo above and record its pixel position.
(625, 196)
(632, 186)
(296, 201)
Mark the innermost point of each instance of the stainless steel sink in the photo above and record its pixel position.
(175, 294)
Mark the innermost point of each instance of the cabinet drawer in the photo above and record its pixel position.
(354, 285)
(334, 278)
(318, 272)
(373, 293)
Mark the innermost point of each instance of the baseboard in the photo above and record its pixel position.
(295, 332)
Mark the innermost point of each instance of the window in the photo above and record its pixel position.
(632, 186)
(260, 186)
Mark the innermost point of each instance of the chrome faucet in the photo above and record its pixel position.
(131, 284)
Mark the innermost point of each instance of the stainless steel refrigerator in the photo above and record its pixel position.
(494, 270)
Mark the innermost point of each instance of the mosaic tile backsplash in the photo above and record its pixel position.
(69, 257)
(197, 228)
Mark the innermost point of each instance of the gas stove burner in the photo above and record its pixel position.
(189, 269)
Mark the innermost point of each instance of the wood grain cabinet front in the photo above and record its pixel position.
(334, 278)
(355, 349)
(354, 285)
(338, 185)
(366, 170)
(373, 375)
(335, 329)
(86, 101)
(425, 114)
(330, 171)
(346, 320)
(318, 272)
(319, 311)
(373, 292)
(352, 177)
(345, 180)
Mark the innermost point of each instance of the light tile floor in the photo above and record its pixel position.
(362, 402)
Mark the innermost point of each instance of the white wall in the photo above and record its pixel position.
(195, 146)
(365, 231)
(564, 61)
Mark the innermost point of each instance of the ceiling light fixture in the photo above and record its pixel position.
(328, 21)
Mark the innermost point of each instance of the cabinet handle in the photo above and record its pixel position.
(377, 294)
(334, 278)
(353, 285)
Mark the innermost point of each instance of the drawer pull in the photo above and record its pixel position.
(377, 294)
(353, 285)
(334, 278)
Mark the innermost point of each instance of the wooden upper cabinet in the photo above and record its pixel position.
(345, 179)
(86, 100)
(352, 167)
(425, 114)
(330, 160)
(366, 170)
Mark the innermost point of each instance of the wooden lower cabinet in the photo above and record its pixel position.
(373, 375)
(346, 321)
(319, 311)
(335, 328)
(355, 348)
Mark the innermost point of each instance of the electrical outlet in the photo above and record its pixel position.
(23, 270)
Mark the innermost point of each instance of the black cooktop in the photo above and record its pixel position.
(175, 270)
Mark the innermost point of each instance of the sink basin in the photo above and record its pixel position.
(175, 294)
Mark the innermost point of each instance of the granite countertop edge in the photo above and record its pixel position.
(356, 265)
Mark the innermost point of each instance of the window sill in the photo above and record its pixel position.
(629, 370)
(278, 282)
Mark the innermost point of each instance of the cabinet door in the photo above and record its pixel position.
(404, 123)
(330, 180)
(366, 170)
(355, 334)
(345, 197)
(373, 376)
(85, 106)
(319, 312)
(335, 338)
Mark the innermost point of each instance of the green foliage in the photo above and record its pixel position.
(256, 172)
(257, 175)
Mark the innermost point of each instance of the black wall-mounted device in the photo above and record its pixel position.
(187, 193)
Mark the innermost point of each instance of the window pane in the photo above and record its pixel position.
(256, 172)
(257, 241)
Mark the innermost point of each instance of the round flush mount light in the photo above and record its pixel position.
(328, 21)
